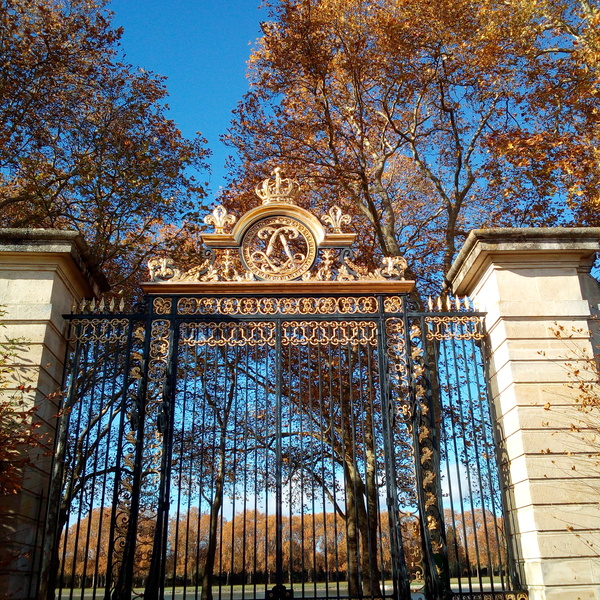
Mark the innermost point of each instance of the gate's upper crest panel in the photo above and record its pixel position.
(275, 242)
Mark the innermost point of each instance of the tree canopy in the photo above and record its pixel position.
(84, 140)
(426, 119)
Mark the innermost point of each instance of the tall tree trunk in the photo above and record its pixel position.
(352, 535)
(370, 555)
(49, 574)
(209, 563)
(223, 420)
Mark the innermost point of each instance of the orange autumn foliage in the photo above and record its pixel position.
(427, 119)
(85, 142)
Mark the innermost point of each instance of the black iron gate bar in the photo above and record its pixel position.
(279, 589)
(148, 371)
(465, 408)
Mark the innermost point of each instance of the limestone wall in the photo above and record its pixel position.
(535, 286)
(41, 273)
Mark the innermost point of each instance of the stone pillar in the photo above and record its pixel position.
(535, 287)
(42, 272)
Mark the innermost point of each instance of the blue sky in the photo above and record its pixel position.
(202, 47)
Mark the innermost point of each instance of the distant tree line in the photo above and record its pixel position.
(315, 548)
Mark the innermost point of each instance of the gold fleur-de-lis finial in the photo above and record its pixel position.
(282, 189)
(393, 267)
(335, 218)
(220, 218)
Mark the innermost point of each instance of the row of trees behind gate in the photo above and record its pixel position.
(240, 562)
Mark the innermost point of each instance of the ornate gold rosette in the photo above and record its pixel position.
(278, 249)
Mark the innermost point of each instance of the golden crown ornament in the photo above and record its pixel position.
(281, 189)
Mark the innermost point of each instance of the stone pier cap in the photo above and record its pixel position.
(518, 244)
(66, 246)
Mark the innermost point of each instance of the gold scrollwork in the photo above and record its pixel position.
(157, 365)
(455, 327)
(397, 364)
(393, 304)
(346, 305)
(278, 248)
(228, 334)
(425, 452)
(162, 306)
(393, 267)
(329, 333)
(105, 331)
(411, 532)
(162, 268)
(396, 346)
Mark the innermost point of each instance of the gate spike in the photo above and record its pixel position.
(430, 303)
(73, 306)
(457, 302)
(447, 302)
(93, 305)
(111, 305)
(122, 304)
(467, 303)
(439, 303)
(101, 305)
(82, 306)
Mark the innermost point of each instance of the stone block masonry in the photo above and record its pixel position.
(42, 272)
(541, 304)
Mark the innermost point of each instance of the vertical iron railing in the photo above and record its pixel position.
(242, 447)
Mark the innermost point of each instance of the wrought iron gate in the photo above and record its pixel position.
(270, 438)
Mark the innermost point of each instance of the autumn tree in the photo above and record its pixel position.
(414, 115)
(411, 116)
(87, 563)
(86, 144)
(548, 148)
(188, 539)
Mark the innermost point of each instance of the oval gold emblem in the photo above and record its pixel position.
(278, 249)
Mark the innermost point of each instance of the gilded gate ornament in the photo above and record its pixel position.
(220, 218)
(277, 190)
(278, 248)
(277, 241)
(335, 218)
(269, 306)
